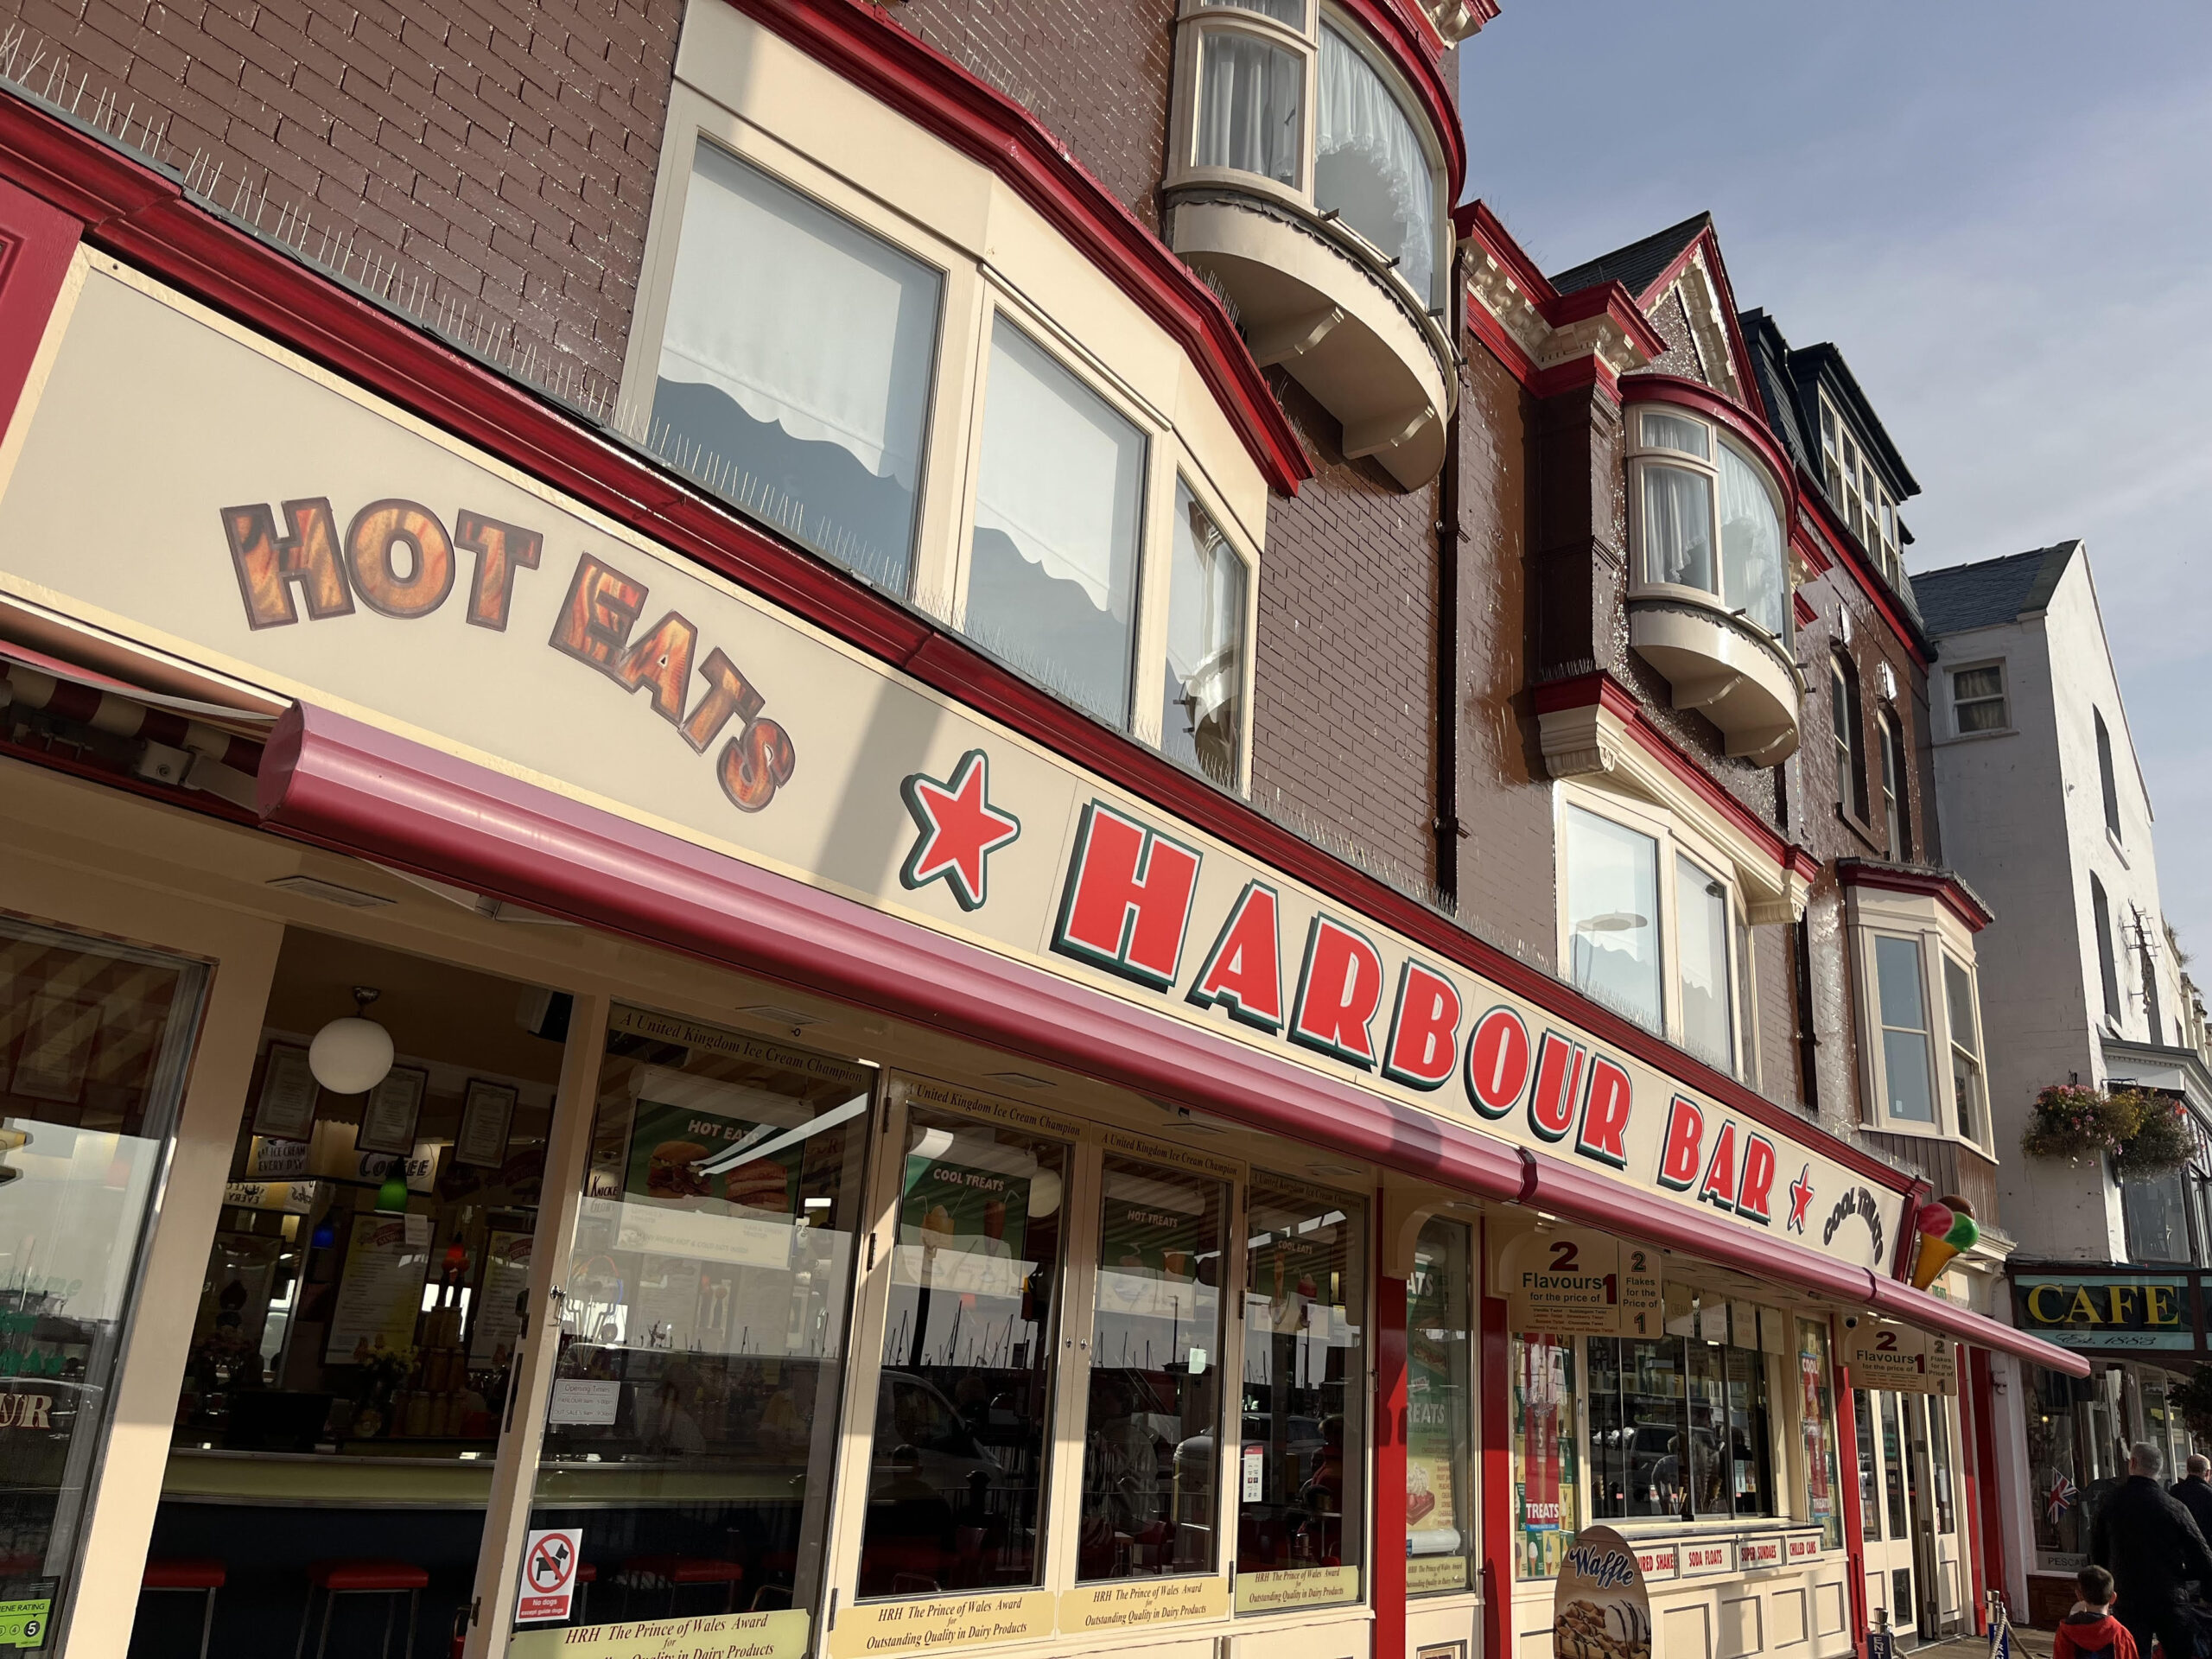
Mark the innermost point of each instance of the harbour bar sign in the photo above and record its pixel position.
(286, 529)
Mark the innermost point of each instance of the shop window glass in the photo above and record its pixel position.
(1060, 500)
(1966, 1049)
(1613, 915)
(1750, 545)
(1638, 1418)
(964, 1416)
(1251, 114)
(1727, 1431)
(694, 1412)
(794, 375)
(1547, 1511)
(1907, 1091)
(1816, 1423)
(1370, 166)
(2157, 1214)
(1893, 1463)
(1440, 1414)
(1201, 716)
(1150, 1454)
(94, 1040)
(1677, 526)
(1301, 1519)
(1283, 11)
(1939, 1456)
(1870, 1482)
(1701, 919)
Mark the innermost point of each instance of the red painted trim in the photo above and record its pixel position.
(1390, 25)
(1502, 347)
(1806, 544)
(1494, 1457)
(1475, 222)
(141, 217)
(1709, 241)
(1646, 387)
(861, 44)
(1953, 894)
(35, 245)
(1388, 1554)
(1574, 374)
(1803, 608)
(1853, 1501)
(1971, 1432)
(1991, 1567)
(1616, 699)
(1906, 1249)
(1846, 549)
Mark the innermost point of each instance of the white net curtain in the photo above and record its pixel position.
(1250, 107)
(1370, 166)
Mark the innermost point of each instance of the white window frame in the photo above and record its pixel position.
(973, 294)
(1641, 456)
(1978, 1053)
(1873, 912)
(1672, 838)
(1861, 499)
(2003, 699)
(1199, 18)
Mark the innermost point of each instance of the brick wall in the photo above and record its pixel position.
(502, 154)
(1343, 727)
(1098, 73)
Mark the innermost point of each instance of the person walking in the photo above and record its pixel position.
(2153, 1547)
(2195, 1491)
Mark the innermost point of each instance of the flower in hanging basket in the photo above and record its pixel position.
(2073, 1122)
(2164, 1142)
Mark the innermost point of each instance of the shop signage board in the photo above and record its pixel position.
(876, 1627)
(1579, 1282)
(1599, 1607)
(1658, 1563)
(290, 532)
(1761, 1553)
(1294, 1587)
(1704, 1557)
(1896, 1356)
(780, 1634)
(1130, 1604)
(547, 1589)
(1802, 1548)
(2118, 1309)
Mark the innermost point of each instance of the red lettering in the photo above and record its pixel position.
(755, 763)
(1127, 899)
(267, 564)
(1498, 1063)
(1604, 1134)
(1680, 1144)
(1755, 1200)
(1551, 1100)
(596, 618)
(1243, 971)
(661, 661)
(1719, 1185)
(1339, 990)
(1424, 1029)
(500, 550)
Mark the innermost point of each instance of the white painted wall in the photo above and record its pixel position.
(2022, 821)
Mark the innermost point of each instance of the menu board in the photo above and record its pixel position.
(501, 1302)
(380, 1293)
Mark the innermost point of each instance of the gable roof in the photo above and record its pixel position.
(1639, 265)
(1992, 591)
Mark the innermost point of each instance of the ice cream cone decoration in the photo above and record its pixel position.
(1946, 1227)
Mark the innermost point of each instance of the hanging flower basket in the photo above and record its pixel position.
(2073, 1122)
(2163, 1139)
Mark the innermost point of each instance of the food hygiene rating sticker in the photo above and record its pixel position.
(24, 1619)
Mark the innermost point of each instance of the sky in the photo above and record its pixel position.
(2000, 212)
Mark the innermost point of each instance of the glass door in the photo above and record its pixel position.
(1885, 1487)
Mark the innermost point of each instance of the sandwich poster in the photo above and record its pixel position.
(679, 1156)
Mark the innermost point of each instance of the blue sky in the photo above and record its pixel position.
(2002, 213)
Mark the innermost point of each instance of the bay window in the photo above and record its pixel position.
(1651, 931)
(1371, 168)
(1898, 995)
(1707, 519)
(1251, 107)
(1202, 718)
(1969, 1101)
(1919, 1015)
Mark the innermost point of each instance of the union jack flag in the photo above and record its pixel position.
(2061, 1499)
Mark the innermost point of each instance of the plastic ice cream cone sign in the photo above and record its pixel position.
(1945, 1228)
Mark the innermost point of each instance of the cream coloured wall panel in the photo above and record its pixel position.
(1743, 1626)
(1686, 1632)
(1786, 1608)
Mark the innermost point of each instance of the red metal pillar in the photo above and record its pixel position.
(1848, 1497)
(1389, 1562)
(1991, 1569)
(1496, 1460)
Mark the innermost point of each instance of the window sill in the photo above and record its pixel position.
(1864, 830)
(1734, 673)
(1976, 737)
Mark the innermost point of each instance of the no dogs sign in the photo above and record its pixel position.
(549, 1574)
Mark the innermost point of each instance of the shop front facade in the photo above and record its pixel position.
(732, 1015)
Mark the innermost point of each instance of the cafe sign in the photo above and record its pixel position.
(285, 529)
(2118, 1310)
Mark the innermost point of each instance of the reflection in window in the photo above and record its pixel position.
(2157, 1214)
(1304, 1456)
(964, 1403)
(1051, 586)
(794, 376)
(1816, 1421)
(1439, 1413)
(1677, 524)
(1848, 725)
(1613, 915)
(1637, 1405)
(1250, 105)
(94, 1040)
(1978, 698)
(1750, 544)
(1702, 917)
(1939, 1457)
(707, 1295)
(1893, 1468)
(1202, 717)
(1906, 1088)
(1546, 1483)
(1283, 11)
(1370, 166)
(1870, 1486)
(1151, 1453)
(1678, 1427)
(1966, 1098)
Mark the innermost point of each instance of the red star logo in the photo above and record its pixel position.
(1800, 1198)
(960, 828)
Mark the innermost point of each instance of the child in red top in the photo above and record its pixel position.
(2090, 1632)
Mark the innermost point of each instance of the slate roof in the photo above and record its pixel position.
(1636, 266)
(1992, 591)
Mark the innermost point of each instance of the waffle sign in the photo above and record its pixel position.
(1600, 1609)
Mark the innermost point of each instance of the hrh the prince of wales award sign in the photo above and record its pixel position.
(1601, 1609)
